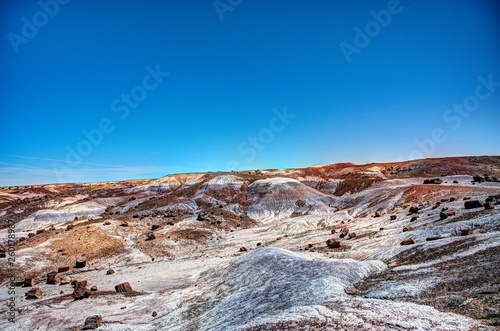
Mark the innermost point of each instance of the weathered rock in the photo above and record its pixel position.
(51, 277)
(63, 268)
(489, 205)
(470, 204)
(433, 181)
(414, 218)
(92, 322)
(69, 227)
(433, 238)
(413, 210)
(30, 281)
(446, 213)
(377, 214)
(34, 293)
(352, 235)
(150, 236)
(258, 244)
(332, 243)
(393, 217)
(155, 227)
(124, 223)
(40, 231)
(407, 241)
(243, 249)
(123, 288)
(80, 293)
(333, 231)
(154, 314)
(407, 228)
(79, 283)
(343, 232)
(478, 179)
(93, 288)
(81, 262)
(107, 223)
(2, 251)
(110, 272)
(63, 280)
(466, 232)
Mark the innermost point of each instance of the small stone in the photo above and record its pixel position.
(243, 249)
(150, 236)
(433, 238)
(154, 314)
(80, 293)
(110, 272)
(413, 210)
(62, 268)
(407, 241)
(407, 228)
(92, 322)
(470, 204)
(123, 288)
(393, 217)
(51, 277)
(34, 293)
(81, 262)
(93, 288)
(332, 243)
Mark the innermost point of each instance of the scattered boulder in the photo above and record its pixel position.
(414, 218)
(332, 243)
(51, 278)
(377, 214)
(63, 268)
(93, 288)
(81, 262)
(123, 288)
(343, 232)
(154, 314)
(81, 283)
(155, 227)
(489, 205)
(110, 272)
(124, 223)
(478, 179)
(2, 251)
(107, 223)
(30, 281)
(258, 244)
(452, 199)
(407, 241)
(351, 235)
(466, 232)
(40, 231)
(80, 292)
(34, 293)
(69, 227)
(393, 217)
(433, 181)
(470, 204)
(92, 322)
(413, 210)
(150, 236)
(407, 228)
(433, 238)
(455, 182)
(446, 213)
(243, 249)
(63, 280)
(333, 231)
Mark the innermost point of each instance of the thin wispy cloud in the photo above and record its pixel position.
(58, 160)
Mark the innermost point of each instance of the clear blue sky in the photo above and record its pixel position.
(231, 68)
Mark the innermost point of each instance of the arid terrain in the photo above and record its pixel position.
(393, 246)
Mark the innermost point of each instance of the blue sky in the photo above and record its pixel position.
(109, 90)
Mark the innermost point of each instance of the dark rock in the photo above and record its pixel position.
(433, 181)
(154, 314)
(258, 244)
(40, 231)
(414, 218)
(470, 204)
(352, 235)
(407, 241)
(92, 322)
(93, 288)
(446, 213)
(332, 243)
(407, 228)
(107, 223)
(80, 292)
(343, 232)
(81, 262)
(63, 268)
(455, 182)
(393, 217)
(123, 288)
(155, 227)
(478, 179)
(63, 280)
(466, 232)
(110, 272)
(452, 199)
(333, 231)
(34, 293)
(3, 251)
(51, 278)
(433, 238)
(124, 223)
(243, 249)
(150, 236)
(30, 281)
(377, 214)
(69, 227)
(413, 210)
(489, 205)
